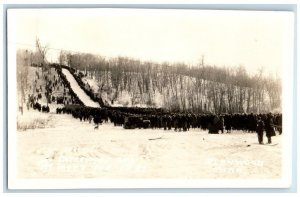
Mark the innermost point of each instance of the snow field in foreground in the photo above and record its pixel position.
(73, 149)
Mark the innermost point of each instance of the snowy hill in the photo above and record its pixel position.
(174, 92)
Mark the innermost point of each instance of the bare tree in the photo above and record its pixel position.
(23, 63)
(42, 51)
(62, 58)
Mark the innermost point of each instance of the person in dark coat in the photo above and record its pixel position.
(214, 126)
(270, 128)
(169, 122)
(222, 124)
(164, 122)
(227, 122)
(90, 118)
(260, 130)
(175, 122)
(97, 120)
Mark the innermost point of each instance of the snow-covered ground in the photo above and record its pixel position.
(68, 148)
(92, 83)
(80, 93)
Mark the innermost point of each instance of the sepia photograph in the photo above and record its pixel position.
(149, 98)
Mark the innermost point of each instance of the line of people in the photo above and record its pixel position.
(178, 121)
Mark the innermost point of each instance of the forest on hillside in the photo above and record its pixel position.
(175, 86)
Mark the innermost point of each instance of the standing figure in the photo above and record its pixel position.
(222, 124)
(97, 121)
(21, 108)
(90, 118)
(27, 105)
(260, 130)
(270, 128)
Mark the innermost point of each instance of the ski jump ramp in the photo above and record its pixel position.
(87, 101)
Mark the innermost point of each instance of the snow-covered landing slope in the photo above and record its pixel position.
(87, 101)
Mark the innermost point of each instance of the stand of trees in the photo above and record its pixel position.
(26, 58)
(179, 86)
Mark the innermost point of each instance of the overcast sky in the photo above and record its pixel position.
(230, 38)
